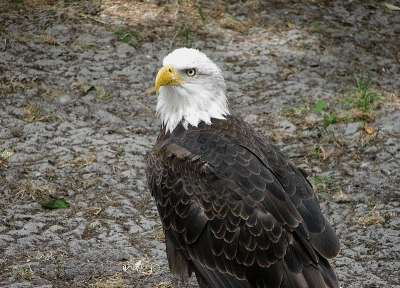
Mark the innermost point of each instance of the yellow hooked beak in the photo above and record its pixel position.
(167, 76)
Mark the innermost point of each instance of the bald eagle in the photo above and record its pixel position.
(234, 209)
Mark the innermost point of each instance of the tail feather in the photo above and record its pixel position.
(208, 278)
(328, 273)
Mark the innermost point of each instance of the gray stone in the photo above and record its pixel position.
(286, 126)
(352, 129)
(105, 117)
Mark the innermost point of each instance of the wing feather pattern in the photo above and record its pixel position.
(236, 211)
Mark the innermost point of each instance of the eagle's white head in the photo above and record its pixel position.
(191, 89)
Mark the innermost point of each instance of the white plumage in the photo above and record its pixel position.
(190, 98)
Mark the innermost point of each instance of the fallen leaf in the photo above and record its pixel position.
(87, 88)
(56, 204)
(369, 129)
(391, 7)
(320, 106)
(286, 71)
(270, 28)
(151, 90)
(290, 25)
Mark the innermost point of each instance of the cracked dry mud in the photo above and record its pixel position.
(77, 112)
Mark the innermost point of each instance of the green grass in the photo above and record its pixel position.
(235, 19)
(353, 105)
(363, 102)
(318, 25)
(319, 151)
(185, 26)
(313, 152)
(306, 107)
(126, 35)
(298, 110)
(324, 185)
(326, 180)
(359, 104)
(330, 118)
(365, 95)
(333, 118)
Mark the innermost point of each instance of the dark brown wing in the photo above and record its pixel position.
(238, 211)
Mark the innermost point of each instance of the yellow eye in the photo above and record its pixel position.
(191, 72)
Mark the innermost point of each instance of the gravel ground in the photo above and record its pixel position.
(77, 117)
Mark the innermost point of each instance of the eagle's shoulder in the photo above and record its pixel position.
(229, 131)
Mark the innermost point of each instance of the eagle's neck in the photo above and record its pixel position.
(190, 104)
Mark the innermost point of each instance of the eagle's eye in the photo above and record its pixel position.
(191, 72)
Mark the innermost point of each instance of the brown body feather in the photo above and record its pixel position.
(236, 211)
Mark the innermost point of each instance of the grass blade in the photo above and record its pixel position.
(201, 16)
(235, 19)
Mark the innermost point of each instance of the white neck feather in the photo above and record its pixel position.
(191, 103)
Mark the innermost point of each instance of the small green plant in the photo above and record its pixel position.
(6, 154)
(325, 180)
(318, 149)
(360, 103)
(313, 152)
(125, 35)
(102, 92)
(324, 185)
(320, 106)
(298, 110)
(306, 106)
(333, 118)
(369, 204)
(59, 271)
(319, 25)
(330, 118)
(364, 97)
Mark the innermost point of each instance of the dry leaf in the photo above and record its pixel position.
(369, 129)
(151, 90)
(391, 7)
(286, 71)
(290, 25)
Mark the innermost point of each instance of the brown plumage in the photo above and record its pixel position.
(236, 211)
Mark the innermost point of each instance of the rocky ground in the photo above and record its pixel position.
(77, 118)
